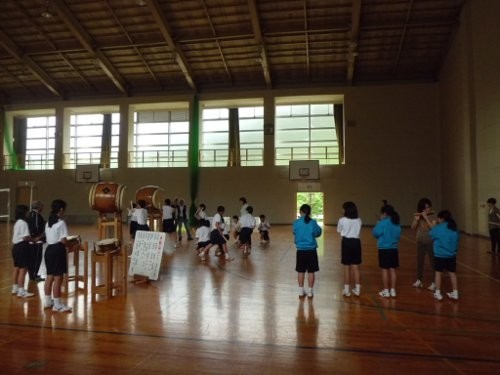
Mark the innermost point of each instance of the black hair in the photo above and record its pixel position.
(220, 209)
(21, 211)
(492, 201)
(236, 217)
(141, 203)
(168, 202)
(262, 216)
(350, 210)
(202, 206)
(389, 211)
(306, 209)
(446, 216)
(422, 203)
(250, 209)
(204, 223)
(55, 208)
(243, 199)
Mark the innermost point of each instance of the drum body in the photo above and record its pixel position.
(107, 244)
(106, 197)
(153, 196)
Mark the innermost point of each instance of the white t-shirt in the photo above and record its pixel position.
(202, 234)
(217, 219)
(247, 221)
(142, 216)
(243, 209)
(56, 232)
(20, 231)
(167, 212)
(349, 228)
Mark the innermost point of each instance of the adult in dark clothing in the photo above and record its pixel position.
(36, 224)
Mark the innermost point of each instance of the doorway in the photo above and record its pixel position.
(313, 199)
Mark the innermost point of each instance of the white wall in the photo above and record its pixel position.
(469, 92)
(391, 153)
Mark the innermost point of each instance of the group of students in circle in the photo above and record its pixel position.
(436, 237)
(209, 233)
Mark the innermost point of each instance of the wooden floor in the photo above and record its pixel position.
(244, 317)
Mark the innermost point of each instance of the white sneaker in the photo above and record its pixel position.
(310, 293)
(218, 252)
(432, 287)
(302, 292)
(346, 293)
(61, 308)
(384, 293)
(48, 305)
(228, 258)
(392, 292)
(15, 289)
(356, 292)
(438, 296)
(418, 284)
(202, 255)
(24, 294)
(453, 295)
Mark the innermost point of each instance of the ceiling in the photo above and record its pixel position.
(69, 49)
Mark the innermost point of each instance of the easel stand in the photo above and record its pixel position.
(113, 272)
(140, 279)
(115, 223)
(83, 250)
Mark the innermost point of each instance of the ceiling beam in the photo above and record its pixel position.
(88, 43)
(31, 65)
(264, 61)
(403, 38)
(353, 44)
(162, 23)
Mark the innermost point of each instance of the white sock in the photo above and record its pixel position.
(48, 300)
(346, 287)
(57, 302)
(357, 288)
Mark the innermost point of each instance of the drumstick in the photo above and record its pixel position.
(420, 213)
(493, 223)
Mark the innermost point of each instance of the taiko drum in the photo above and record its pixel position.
(106, 197)
(153, 196)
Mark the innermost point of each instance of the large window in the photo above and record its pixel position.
(161, 139)
(94, 139)
(307, 132)
(40, 142)
(221, 139)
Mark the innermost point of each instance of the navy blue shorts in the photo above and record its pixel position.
(307, 261)
(442, 264)
(388, 258)
(21, 254)
(55, 259)
(351, 251)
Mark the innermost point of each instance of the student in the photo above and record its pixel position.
(387, 231)
(202, 234)
(21, 251)
(36, 223)
(445, 235)
(305, 230)
(349, 227)
(168, 222)
(56, 232)
(264, 227)
(494, 226)
(141, 213)
(247, 223)
(132, 214)
(183, 219)
(244, 205)
(200, 213)
(424, 241)
(235, 228)
(216, 235)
